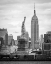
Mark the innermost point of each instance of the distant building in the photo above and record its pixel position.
(46, 47)
(4, 35)
(49, 32)
(29, 43)
(10, 37)
(16, 42)
(12, 42)
(42, 38)
(18, 37)
(34, 31)
(47, 38)
(41, 41)
(6, 39)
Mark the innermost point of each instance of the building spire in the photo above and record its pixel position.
(34, 9)
(34, 6)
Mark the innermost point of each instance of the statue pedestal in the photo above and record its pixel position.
(21, 46)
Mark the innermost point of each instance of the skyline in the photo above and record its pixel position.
(12, 15)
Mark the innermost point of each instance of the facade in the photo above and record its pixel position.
(4, 35)
(34, 31)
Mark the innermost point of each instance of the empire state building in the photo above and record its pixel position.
(34, 31)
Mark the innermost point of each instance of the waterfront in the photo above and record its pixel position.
(25, 62)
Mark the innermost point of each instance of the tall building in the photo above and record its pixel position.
(4, 35)
(34, 31)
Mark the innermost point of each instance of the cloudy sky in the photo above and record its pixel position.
(12, 14)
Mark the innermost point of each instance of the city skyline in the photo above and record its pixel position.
(12, 15)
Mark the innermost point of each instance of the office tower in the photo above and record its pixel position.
(34, 31)
(4, 35)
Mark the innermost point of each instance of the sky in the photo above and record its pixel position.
(12, 14)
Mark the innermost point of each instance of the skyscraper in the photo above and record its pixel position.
(34, 31)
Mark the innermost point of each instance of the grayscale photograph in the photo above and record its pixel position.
(25, 31)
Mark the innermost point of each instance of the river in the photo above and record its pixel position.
(25, 62)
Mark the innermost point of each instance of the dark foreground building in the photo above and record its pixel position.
(46, 46)
(1, 42)
(21, 44)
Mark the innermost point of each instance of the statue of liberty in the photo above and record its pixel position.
(23, 27)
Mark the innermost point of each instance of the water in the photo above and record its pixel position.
(25, 62)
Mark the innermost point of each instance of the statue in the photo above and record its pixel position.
(23, 27)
